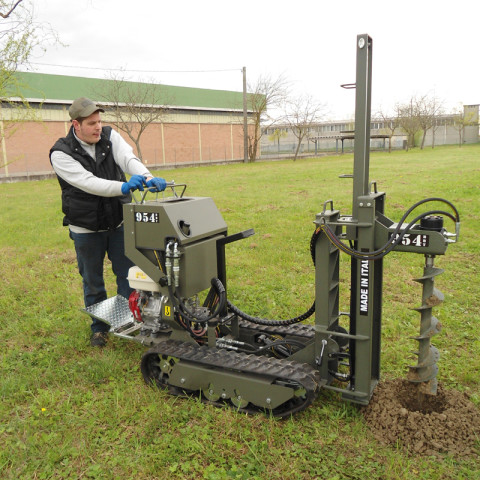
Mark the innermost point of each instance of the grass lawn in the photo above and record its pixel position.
(68, 411)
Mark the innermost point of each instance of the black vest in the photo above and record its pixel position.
(83, 209)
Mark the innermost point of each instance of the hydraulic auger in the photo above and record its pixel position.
(217, 352)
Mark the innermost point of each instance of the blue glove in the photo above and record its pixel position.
(157, 184)
(136, 182)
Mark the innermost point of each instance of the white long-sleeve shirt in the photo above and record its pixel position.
(75, 174)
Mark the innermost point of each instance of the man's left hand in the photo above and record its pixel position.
(156, 184)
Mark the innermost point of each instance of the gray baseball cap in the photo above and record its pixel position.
(83, 108)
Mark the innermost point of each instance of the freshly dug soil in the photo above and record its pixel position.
(446, 423)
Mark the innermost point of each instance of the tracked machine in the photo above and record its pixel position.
(214, 350)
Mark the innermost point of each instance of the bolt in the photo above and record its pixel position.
(182, 380)
(361, 204)
(224, 395)
(269, 401)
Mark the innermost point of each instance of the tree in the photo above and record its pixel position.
(15, 34)
(276, 136)
(419, 114)
(408, 120)
(390, 124)
(265, 93)
(301, 114)
(462, 119)
(133, 105)
(437, 109)
(20, 35)
(428, 110)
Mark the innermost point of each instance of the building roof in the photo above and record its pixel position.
(64, 89)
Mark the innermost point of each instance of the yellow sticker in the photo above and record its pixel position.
(167, 311)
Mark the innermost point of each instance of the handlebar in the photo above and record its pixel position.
(171, 185)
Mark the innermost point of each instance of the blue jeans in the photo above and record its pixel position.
(91, 249)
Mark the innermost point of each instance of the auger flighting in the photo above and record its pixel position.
(424, 373)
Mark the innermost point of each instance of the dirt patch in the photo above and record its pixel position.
(446, 423)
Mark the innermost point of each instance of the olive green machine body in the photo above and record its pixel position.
(177, 244)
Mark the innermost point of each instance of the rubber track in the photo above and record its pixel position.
(298, 375)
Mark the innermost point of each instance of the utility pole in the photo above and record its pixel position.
(245, 123)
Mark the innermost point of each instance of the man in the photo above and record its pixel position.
(90, 163)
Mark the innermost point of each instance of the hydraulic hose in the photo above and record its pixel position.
(290, 321)
(245, 347)
(264, 321)
(396, 237)
(375, 255)
(189, 315)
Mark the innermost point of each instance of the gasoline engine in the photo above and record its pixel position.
(212, 349)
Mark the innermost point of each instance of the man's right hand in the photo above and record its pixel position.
(136, 182)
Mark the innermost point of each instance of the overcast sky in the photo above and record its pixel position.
(419, 47)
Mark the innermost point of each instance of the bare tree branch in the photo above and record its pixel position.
(134, 105)
(390, 124)
(408, 120)
(20, 34)
(301, 114)
(428, 110)
(6, 15)
(266, 93)
(420, 114)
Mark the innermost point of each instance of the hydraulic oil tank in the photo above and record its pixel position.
(194, 223)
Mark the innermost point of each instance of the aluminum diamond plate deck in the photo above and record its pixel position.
(114, 311)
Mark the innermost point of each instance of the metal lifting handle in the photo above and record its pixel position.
(325, 205)
(172, 185)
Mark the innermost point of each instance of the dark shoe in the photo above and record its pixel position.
(99, 339)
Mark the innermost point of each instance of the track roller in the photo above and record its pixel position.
(245, 382)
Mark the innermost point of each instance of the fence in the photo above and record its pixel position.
(323, 145)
